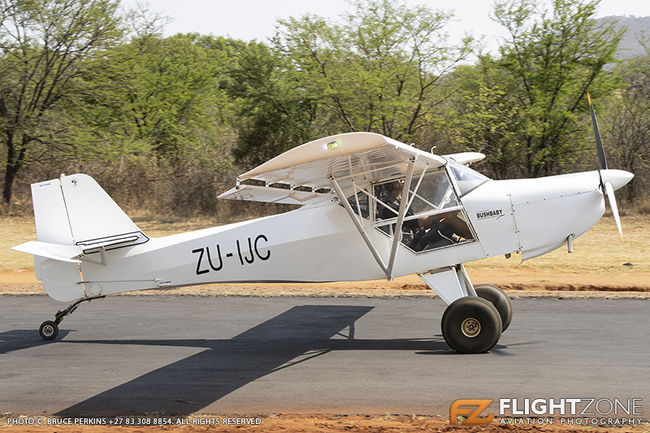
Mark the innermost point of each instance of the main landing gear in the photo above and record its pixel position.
(50, 329)
(499, 299)
(473, 324)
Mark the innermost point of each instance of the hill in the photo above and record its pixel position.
(638, 34)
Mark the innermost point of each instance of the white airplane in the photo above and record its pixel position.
(371, 208)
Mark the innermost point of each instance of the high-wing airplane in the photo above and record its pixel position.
(370, 208)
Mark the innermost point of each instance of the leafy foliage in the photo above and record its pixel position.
(183, 114)
(551, 61)
(43, 44)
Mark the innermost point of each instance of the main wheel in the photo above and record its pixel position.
(499, 299)
(48, 330)
(471, 325)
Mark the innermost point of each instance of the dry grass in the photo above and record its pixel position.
(14, 231)
(600, 251)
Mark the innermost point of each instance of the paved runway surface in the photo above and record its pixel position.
(180, 355)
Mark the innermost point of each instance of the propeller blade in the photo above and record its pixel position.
(599, 142)
(609, 189)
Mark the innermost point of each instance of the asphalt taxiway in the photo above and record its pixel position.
(148, 355)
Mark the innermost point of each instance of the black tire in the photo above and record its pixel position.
(48, 330)
(499, 299)
(471, 325)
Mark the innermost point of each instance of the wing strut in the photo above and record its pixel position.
(358, 224)
(403, 207)
(356, 219)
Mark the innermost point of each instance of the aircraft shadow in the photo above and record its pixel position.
(191, 384)
(19, 339)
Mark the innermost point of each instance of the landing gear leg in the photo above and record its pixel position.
(475, 316)
(50, 329)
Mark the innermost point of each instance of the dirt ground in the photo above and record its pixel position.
(319, 423)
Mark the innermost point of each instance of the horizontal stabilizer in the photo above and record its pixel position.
(62, 253)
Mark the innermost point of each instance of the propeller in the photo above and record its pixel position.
(608, 188)
(599, 143)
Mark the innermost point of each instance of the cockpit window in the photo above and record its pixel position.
(466, 178)
(360, 204)
(433, 217)
(435, 193)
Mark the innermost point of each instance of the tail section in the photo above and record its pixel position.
(75, 210)
(74, 218)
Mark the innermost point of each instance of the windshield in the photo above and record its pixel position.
(466, 178)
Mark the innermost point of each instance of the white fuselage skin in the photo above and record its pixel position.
(320, 243)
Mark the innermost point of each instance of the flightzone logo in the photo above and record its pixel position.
(539, 411)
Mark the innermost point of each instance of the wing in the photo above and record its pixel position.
(466, 157)
(304, 172)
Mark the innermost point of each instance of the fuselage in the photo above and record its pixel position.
(320, 243)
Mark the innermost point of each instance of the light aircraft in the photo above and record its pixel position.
(370, 208)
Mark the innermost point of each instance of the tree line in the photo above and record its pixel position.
(166, 123)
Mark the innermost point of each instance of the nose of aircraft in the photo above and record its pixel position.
(618, 178)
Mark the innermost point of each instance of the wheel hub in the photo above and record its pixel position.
(48, 330)
(470, 327)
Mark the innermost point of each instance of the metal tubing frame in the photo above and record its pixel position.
(359, 225)
(347, 176)
(417, 186)
(382, 223)
(376, 200)
(397, 235)
(403, 206)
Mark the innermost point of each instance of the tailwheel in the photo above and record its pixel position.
(499, 299)
(471, 325)
(48, 330)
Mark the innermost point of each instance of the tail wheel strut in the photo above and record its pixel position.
(50, 329)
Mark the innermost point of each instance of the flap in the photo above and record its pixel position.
(275, 195)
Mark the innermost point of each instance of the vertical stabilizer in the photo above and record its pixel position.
(74, 216)
(91, 211)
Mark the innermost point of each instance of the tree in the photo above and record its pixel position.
(157, 109)
(626, 124)
(551, 60)
(273, 112)
(43, 45)
(156, 93)
(377, 71)
(482, 116)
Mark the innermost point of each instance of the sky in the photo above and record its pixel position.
(256, 19)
